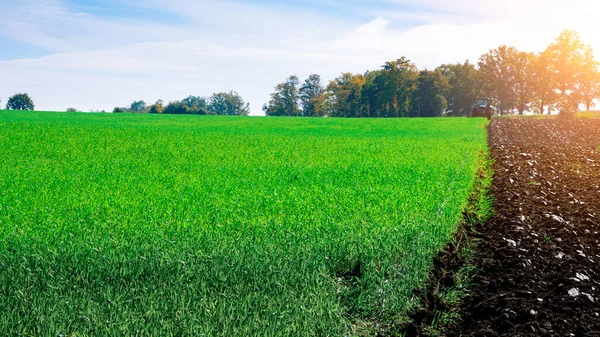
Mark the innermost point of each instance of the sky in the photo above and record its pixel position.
(95, 55)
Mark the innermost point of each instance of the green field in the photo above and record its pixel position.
(137, 225)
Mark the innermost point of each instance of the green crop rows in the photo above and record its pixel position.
(124, 225)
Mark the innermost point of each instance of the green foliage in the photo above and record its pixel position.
(463, 87)
(196, 225)
(118, 110)
(196, 105)
(505, 75)
(157, 108)
(72, 110)
(429, 99)
(192, 105)
(177, 108)
(138, 106)
(389, 92)
(312, 96)
(384, 93)
(20, 102)
(344, 96)
(400, 82)
(285, 100)
(228, 103)
(563, 76)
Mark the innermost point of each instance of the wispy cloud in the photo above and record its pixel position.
(52, 25)
(99, 61)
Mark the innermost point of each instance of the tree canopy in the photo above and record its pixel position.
(138, 106)
(573, 71)
(285, 100)
(228, 103)
(564, 76)
(311, 96)
(157, 108)
(224, 103)
(463, 86)
(20, 102)
(429, 98)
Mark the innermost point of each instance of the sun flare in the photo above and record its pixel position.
(551, 16)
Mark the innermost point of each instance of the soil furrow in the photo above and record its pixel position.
(539, 262)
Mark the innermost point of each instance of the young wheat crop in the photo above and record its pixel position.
(115, 225)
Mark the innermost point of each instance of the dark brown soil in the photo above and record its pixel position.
(539, 255)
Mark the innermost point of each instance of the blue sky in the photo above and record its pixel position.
(100, 54)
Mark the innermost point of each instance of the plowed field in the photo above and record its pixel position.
(540, 254)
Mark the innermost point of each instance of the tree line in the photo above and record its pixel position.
(562, 77)
(222, 103)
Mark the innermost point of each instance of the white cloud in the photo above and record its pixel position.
(250, 48)
(53, 26)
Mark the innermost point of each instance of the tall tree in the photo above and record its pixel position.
(463, 87)
(590, 86)
(399, 83)
(228, 103)
(522, 83)
(157, 108)
(570, 61)
(196, 105)
(429, 98)
(20, 102)
(374, 103)
(388, 92)
(138, 106)
(311, 96)
(284, 101)
(540, 77)
(503, 75)
(344, 96)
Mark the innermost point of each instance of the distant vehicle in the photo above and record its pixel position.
(483, 107)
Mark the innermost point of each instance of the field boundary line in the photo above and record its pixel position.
(454, 266)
